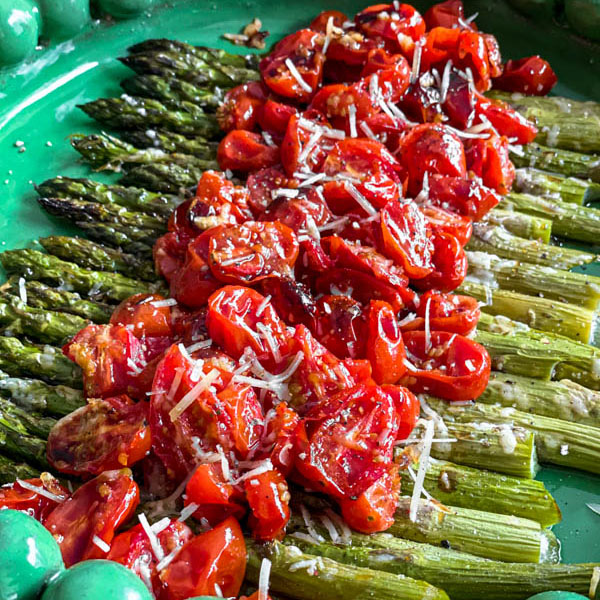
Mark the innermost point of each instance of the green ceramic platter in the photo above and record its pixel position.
(37, 107)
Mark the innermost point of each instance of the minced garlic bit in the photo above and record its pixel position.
(251, 36)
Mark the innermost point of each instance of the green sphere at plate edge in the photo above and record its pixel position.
(97, 580)
(29, 556)
(19, 30)
(63, 18)
(125, 9)
(557, 596)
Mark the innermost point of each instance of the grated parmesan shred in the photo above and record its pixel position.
(296, 75)
(263, 578)
(423, 464)
(154, 543)
(100, 543)
(40, 490)
(193, 394)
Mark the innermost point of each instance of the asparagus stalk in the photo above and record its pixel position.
(162, 178)
(32, 264)
(137, 113)
(130, 239)
(11, 471)
(107, 152)
(172, 92)
(555, 187)
(463, 576)
(568, 220)
(526, 278)
(577, 132)
(544, 314)
(16, 443)
(522, 224)
(558, 442)
(37, 396)
(483, 446)
(94, 256)
(305, 577)
(46, 326)
(135, 199)
(556, 104)
(212, 56)
(564, 399)
(457, 485)
(189, 67)
(497, 240)
(514, 348)
(490, 535)
(172, 142)
(555, 160)
(42, 296)
(34, 423)
(81, 210)
(46, 363)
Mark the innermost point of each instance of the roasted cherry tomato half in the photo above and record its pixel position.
(268, 497)
(405, 238)
(281, 423)
(240, 106)
(507, 121)
(385, 348)
(321, 373)
(294, 68)
(439, 219)
(408, 408)
(348, 443)
(321, 22)
(291, 299)
(445, 14)
(263, 183)
(214, 495)
(103, 435)
(391, 22)
(240, 318)
(489, 159)
(340, 326)
(466, 197)
(111, 357)
(250, 252)
(246, 151)
(532, 75)
(22, 495)
(133, 550)
(450, 265)
(305, 144)
(95, 511)
(195, 407)
(364, 176)
(445, 312)
(374, 509)
(431, 149)
(146, 315)
(217, 202)
(194, 282)
(210, 561)
(273, 117)
(447, 365)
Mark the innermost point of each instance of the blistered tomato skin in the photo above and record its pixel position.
(29, 556)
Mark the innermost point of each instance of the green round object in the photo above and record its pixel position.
(584, 17)
(29, 556)
(125, 9)
(97, 580)
(63, 18)
(558, 596)
(19, 29)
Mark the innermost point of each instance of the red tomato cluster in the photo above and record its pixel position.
(308, 305)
